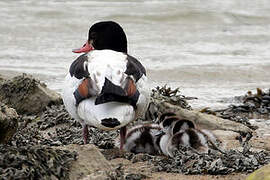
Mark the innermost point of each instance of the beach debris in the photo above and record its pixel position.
(169, 95)
(214, 162)
(172, 96)
(27, 95)
(119, 173)
(53, 116)
(228, 114)
(62, 130)
(251, 106)
(8, 123)
(34, 162)
(258, 103)
(161, 103)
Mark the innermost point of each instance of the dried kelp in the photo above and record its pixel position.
(228, 114)
(166, 94)
(172, 96)
(68, 131)
(73, 135)
(187, 161)
(53, 116)
(119, 174)
(252, 103)
(34, 162)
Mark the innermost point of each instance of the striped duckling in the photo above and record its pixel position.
(183, 132)
(142, 138)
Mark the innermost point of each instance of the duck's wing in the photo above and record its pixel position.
(136, 70)
(79, 67)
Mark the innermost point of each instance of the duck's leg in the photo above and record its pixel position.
(123, 131)
(85, 134)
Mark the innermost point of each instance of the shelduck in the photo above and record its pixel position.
(106, 88)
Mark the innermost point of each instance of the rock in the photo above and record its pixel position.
(260, 174)
(175, 176)
(91, 164)
(229, 139)
(27, 95)
(261, 142)
(8, 123)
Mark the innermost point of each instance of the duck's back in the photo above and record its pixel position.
(119, 91)
(107, 64)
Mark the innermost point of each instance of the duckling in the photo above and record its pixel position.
(143, 139)
(183, 132)
(188, 138)
(171, 126)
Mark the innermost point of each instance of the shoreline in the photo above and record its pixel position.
(54, 128)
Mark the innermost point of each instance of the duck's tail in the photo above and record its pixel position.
(125, 93)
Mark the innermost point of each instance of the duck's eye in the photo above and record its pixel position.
(93, 36)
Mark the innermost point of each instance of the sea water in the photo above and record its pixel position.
(213, 50)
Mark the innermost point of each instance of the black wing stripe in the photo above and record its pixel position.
(77, 67)
(134, 68)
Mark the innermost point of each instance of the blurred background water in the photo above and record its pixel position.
(213, 50)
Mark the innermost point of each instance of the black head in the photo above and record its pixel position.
(108, 35)
(167, 122)
(165, 115)
(182, 125)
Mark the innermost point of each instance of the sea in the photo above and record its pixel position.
(213, 50)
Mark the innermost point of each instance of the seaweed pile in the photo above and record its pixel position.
(24, 157)
(34, 162)
(66, 130)
(186, 161)
(166, 94)
(214, 162)
(172, 96)
(259, 102)
(52, 116)
(228, 114)
(71, 131)
(251, 105)
(119, 173)
(32, 155)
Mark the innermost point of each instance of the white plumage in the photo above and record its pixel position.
(102, 64)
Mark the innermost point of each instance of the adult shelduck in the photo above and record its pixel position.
(106, 88)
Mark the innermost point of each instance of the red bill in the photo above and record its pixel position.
(84, 49)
